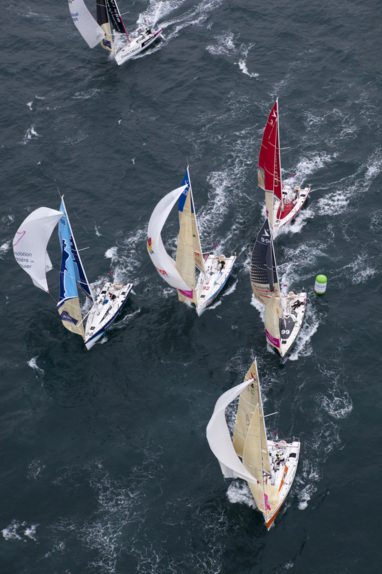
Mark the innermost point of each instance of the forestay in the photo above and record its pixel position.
(87, 26)
(269, 167)
(163, 262)
(30, 244)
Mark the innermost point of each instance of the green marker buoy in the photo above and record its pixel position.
(320, 284)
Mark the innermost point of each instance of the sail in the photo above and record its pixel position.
(198, 253)
(164, 264)
(91, 32)
(263, 270)
(269, 168)
(68, 305)
(273, 314)
(30, 244)
(79, 270)
(115, 17)
(103, 21)
(250, 441)
(255, 455)
(219, 437)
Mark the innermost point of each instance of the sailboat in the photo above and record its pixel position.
(30, 250)
(283, 201)
(268, 466)
(284, 313)
(181, 273)
(109, 26)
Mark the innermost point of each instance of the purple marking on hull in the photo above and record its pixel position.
(273, 340)
(189, 294)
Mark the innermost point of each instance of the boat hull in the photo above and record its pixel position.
(107, 306)
(211, 283)
(294, 310)
(137, 44)
(284, 461)
(293, 199)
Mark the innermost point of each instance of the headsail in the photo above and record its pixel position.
(87, 26)
(269, 167)
(164, 264)
(103, 21)
(30, 244)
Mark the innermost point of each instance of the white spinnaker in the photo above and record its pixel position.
(87, 26)
(30, 243)
(164, 264)
(219, 437)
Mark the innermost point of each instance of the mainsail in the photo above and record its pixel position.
(115, 17)
(250, 442)
(269, 167)
(71, 274)
(189, 251)
(163, 262)
(30, 244)
(91, 32)
(265, 283)
(103, 21)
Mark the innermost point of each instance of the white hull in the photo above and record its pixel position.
(212, 281)
(284, 460)
(293, 199)
(288, 336)
(108, 304)
(140, 40)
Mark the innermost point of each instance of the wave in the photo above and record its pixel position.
(20, 531)
(33, 365)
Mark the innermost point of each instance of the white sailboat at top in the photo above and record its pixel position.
(181, 273)
(268, 466)
(109, 26)
(283, 201)
(30, 250)
(284, 313)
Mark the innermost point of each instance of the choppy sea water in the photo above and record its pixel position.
(105, 464)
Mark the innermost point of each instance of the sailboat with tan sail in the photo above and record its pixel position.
(214, 270)
(268, 466)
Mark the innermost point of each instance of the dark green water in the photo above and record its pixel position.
(105, 465)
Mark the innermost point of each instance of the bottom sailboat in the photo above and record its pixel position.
(268, 466)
